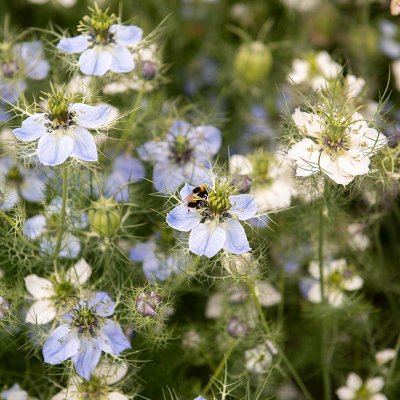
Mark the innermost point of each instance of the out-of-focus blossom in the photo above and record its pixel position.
(358, 240)
(384, 356)
(389, 44)
(64, 3)
(259, 359)
(302, 5)
(356, 389)
(14, 393)
(395, 7)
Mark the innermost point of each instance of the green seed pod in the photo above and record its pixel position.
(105, 217)
(253, 63)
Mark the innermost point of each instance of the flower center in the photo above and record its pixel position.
(63, 290)
(86, 320)
(14, 174)
(92, 389)
(335, 140)
(363, 393)
(9, 69)
(98, 25)
(180, 150)
(58, 115)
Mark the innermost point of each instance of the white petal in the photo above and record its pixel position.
(353, 283)
(378, 396)
(352, 166)
(122, 60)
(39, 288)
(117, 396)
(354, 381)
(32, 128)
(84, 145)
(345, 393)
(307, 123)
(95, 61)
(207, 239)
(80, 273)
(375, 385)
(91, 117)
(41, 312)
(75, 44)
(236, 240)
(111, 372)
(54, 148)
(314, 293)
(300, 71)
(241, 165)
(127, 35)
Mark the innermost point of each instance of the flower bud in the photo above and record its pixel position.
(147, 303)
(237, 328)
(9, 69)
(240, 264)
(105, 216)
(149, 70)
(253, 62)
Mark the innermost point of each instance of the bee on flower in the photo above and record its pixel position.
(104, 44)
(212, 215)
(335, 144)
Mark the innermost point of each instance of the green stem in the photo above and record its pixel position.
(219, 368)
(129, 125)
(63, 210)
(289, 365)
(394, 361)
(10, 221)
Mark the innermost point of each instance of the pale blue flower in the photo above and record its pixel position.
(84, 333)
(183, 156)
(99, 56)
(26, 61)
(214, 228)
(14, 393)
(125, 169)
(20, 182)
(389, 42)
(62, 139)
(158, 265)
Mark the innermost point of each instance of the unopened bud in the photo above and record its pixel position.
(149, 70)
(105, 217)
(253, 62)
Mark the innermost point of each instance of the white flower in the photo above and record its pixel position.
(63, 131)
(358, 240)
(267, 294)
(354, 85)
(301, 5)
(316, 71)
(395, 7)
(356, 389)
(107, 373)
(339, 147)
(338, 277)
(259, 359)
(47, 293)
(14, 393)
(384, 356)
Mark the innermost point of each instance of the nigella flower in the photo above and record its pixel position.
(51, 296)
(259, 359)
(183, 156)
(356, 389)
(62, 130)
(21, 62)
(20, 182)
(14, 393)
(125, 169)
(213, 219)
(104, 44)
(84, 333)
(41, 227)
(337, 145)
(158, 265)
(338, 278)
(64, 3)
(104, 375)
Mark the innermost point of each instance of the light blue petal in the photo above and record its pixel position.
(127, 35)
(91, 117)
(4, 114)
(84, 145)
(34, 226)
(261, 221)
(131, 168)
(70, 247)
(142, 251)
(54, 148)
(243, 206)
(122, 60)
(87, 358)
(178, 128)
(112, 339)
(182, 219)
(75, 44)
(33, 187)
(31, 53)
(115, 186)
(207, 239)
(168, 177)
(236, 239)
(208, 137)
(197, 174)
(32, 128)
(103, 304)
(95, 62)
(61, 344)
(10, 91)
(154, 270)
(186, 191)
(154, 151)
(10, 199)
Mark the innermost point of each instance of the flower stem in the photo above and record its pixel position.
(10, 221)
(63, 210)
(288, 364)
(219, 368)
(324, 332)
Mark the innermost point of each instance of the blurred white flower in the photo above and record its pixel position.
(301, 5)
(356, 389)
(358, 240)
(384, 356)
(259, 359)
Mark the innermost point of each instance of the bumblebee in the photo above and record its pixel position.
(198, 198)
